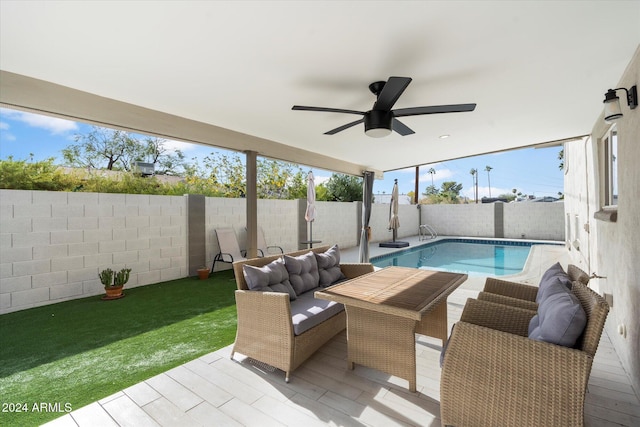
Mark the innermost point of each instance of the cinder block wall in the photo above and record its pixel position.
(472, 220)
(409, 222)
(277, 218)
(538, 221)
(336, 223)
(544, 221)
(53, 244)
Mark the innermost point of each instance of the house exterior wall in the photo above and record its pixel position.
(611, 249)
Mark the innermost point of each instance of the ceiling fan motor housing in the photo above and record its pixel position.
(377, 123)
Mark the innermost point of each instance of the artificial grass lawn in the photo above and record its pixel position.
(76, 352)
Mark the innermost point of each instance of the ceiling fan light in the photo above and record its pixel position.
(378, 132)
(377, 124)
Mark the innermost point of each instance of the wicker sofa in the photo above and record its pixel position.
(519, 294)
(265, 325)
(493, 374)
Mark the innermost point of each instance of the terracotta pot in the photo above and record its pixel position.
(203, 273)
(113, 292)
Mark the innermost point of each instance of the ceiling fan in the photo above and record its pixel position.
(381, 119)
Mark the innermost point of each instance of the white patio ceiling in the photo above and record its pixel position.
(228, 73)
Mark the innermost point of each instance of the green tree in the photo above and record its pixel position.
(29, 175)
(118, 150)
(488, 169)
(561, 158)
(322, 193)
(451, 191)
(99, 149)
(431, 190)
(344, 188)
(280, 180)
(432, 172)
(166, 161)
(508, 196)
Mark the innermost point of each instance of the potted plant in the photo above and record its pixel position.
(203, 273)
(113, 282)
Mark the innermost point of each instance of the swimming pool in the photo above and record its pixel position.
(474, 257)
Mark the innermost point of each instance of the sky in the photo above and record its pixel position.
(531, 171)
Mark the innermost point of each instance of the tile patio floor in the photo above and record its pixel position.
(216, 391)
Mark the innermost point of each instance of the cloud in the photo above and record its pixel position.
(440, 175)
(173, 145)
(5, 135)
(52, 124)
(422, 168)
(319, 179)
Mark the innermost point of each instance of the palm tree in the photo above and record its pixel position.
(474, 176)
(488, 169)
(432, 172)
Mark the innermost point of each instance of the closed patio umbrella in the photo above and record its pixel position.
(394, 220)
(367, 198)
(310, 213)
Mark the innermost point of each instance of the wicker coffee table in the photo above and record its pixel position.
(386, 308)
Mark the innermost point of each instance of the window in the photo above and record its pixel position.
(610, 161)
(608, 149)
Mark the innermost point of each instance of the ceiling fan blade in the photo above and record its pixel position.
(401, 128)
(343, 127)
(390, 93)
(434, 109)
(327, 110)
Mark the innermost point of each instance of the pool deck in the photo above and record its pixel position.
(217, 391)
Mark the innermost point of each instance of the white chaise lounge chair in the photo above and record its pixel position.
(229, 248)
(263, 248)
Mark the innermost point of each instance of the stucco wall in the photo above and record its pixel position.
(612, 249)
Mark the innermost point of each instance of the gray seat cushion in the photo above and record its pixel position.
(329, 266)
(272, 277)
(560, 319)
(303, 272)
(307, 311)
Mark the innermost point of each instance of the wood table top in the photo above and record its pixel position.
(402, 291)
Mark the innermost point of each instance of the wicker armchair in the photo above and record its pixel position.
(265, 329)
(493, 375)
(519, 294)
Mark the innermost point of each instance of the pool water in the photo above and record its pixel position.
(462, 256)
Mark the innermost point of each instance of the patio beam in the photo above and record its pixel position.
(24, 93)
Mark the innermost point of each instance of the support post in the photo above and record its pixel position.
(252, 204)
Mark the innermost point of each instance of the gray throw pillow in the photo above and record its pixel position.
(271, 277)
(329, 266)
(303, 272)
(554, 272)
(561, 319)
